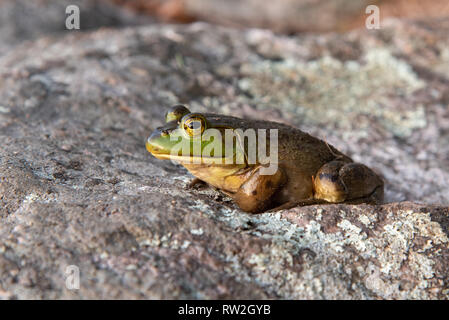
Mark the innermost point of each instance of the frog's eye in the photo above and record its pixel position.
(176, 113)
(194, 124)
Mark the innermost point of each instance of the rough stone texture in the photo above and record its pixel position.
(78, 187)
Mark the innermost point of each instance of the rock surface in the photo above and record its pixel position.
(78, 187)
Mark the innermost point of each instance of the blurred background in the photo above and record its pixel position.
(287, 16)
(28, 19)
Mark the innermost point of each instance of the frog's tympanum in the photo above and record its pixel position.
(303, 170)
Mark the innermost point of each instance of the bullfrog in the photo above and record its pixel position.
(305, 170)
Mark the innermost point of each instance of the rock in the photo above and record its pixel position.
(79, 189)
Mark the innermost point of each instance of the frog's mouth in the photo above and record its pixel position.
(195, 159)
(160, 154)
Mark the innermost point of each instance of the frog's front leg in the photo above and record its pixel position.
(339, 181)
(255, 195)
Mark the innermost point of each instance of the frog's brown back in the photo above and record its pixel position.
(293, 144)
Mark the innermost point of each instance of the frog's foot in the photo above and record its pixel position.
(197, 184)
(376, 197)
(352, 182)
(256, 194)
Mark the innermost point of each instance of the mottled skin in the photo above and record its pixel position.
(309, 170)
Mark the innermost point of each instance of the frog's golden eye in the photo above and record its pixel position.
(176, 113)
(194, 124)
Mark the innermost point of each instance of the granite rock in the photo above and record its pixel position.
(78, 188)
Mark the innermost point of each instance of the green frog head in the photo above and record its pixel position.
(195, 138)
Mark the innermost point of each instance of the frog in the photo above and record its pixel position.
(308, 170)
